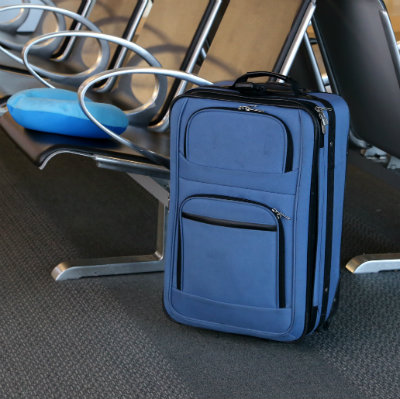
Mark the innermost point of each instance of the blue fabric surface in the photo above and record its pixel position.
(342, 123)
(228, 279)
(220, 254)
(58, 111)
(225, 132)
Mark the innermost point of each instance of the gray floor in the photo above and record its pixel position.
(109, 337)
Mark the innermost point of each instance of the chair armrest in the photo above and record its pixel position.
(75, 79)
(151, 155)
(16, 22)
(47, 49)
(141, 115)
(65, 49)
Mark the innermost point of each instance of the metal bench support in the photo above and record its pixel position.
(79, 268)
(374, 263)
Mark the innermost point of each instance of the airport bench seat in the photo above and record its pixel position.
(42, 147)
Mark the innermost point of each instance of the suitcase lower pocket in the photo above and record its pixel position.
(230, 252)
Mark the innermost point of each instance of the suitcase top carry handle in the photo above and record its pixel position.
(242, 83)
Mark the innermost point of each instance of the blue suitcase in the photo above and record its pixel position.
(255, 218)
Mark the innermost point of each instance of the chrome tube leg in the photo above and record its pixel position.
(374, 263)
(154, 262)
(314, 63)
(284, 70)
(85, 9)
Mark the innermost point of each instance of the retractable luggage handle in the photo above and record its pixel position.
(242, 82)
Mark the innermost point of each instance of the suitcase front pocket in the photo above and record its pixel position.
(216, 137)
(230, 252)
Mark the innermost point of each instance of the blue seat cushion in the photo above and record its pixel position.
(58, 111)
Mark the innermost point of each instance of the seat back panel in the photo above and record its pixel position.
(363, 66)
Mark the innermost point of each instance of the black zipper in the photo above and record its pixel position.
(281, 262)
(289, 154)
(289, 102)
(228, 223)
(318, 143)
(329, 208)
(331, 121)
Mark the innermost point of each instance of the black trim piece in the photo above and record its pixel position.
(329, 209)
(281, 244)
(282, 277)
(289, 153)
(312, 238)
(14, 70)
(313, 316)
(179, 260)
(329, 214)
(335, 306)
(228, 223)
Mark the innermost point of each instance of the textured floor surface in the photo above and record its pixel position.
(109, 337)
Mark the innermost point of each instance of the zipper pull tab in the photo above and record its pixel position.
(323, 118)
(280, 214)
(249, 108)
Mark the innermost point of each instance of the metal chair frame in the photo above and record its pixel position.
(66, 47)
(366, 263)
(48, 48)
(147, 171)
(13, 24)
(65, 44)
(67, 79)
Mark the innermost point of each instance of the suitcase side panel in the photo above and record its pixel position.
(341, 141)
(334, 169)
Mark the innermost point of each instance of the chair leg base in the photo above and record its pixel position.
(80, 268)
(374, 263)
